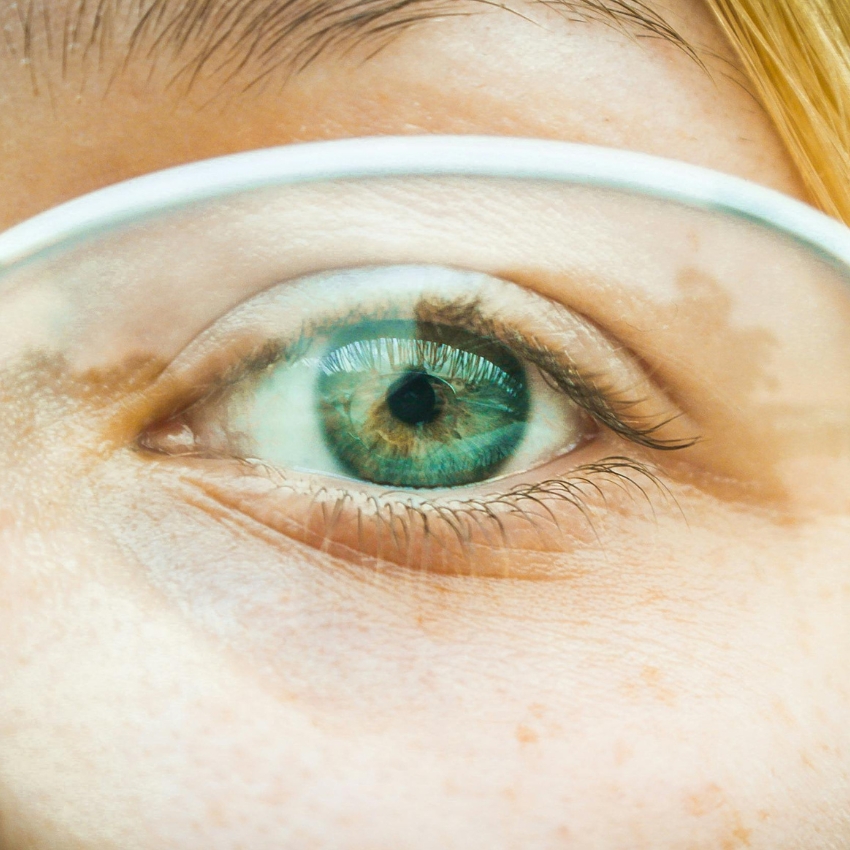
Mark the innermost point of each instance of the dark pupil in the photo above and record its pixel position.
(413, 400)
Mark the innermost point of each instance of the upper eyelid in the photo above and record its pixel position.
(611, 407)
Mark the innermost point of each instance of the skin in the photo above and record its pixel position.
(192, 673)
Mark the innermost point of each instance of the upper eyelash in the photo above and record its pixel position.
(585, 390)
(604, 405)
(582, 388)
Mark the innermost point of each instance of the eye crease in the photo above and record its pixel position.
(399, 378)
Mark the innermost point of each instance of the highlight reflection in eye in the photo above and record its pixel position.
(414, 387)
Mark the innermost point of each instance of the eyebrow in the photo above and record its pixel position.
(255, 41)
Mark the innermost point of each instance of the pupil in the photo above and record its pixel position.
(413, 400)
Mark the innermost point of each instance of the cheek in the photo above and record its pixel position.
(209, 686)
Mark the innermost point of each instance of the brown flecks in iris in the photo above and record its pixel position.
(406, 440)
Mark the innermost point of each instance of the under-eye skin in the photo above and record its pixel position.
(412, 415)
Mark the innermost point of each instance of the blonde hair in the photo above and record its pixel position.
(797, 53)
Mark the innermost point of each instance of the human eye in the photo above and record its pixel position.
(415, 414)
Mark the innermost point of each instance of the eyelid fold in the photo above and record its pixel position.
(651, 274)
(576, 355)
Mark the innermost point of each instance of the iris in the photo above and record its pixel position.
(421, 405)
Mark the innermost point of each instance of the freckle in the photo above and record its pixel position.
(652, 598)
(562, 833)
(705, 802)
(743, 835)
(622, 753)
(788, 521)
(536, 709)
(651, 675)
(652, 680)
(216, 815)
(525, 735)
(738, 838)
(780, 711)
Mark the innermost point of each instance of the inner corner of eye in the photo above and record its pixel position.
(172, 437)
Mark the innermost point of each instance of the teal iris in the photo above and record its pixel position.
(414, 404)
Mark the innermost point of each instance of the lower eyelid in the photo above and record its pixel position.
(564, 509)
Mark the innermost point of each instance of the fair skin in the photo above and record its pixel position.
(175, 672)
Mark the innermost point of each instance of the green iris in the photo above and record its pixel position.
(414, 404)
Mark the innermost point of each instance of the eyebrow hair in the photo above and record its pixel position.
(254, 40)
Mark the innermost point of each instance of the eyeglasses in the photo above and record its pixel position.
(443, 316)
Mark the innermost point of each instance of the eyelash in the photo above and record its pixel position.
(526, 502)
(584, 389)
(468, 522)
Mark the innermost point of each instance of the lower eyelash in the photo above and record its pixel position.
(476, 536)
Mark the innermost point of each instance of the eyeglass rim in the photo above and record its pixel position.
(422, 156)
